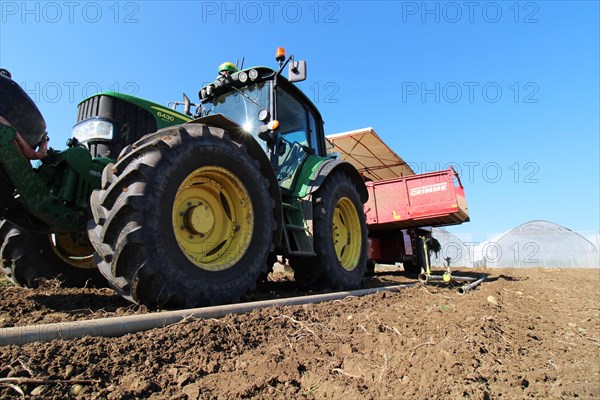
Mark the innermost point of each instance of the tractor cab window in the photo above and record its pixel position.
(313, 132)
(294, 130)
(242, 106)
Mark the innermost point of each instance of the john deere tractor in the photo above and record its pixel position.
(197, 212)
(44, 210)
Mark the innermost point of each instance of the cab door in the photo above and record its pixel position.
(299, 131)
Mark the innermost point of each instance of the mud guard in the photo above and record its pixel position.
(21, 112)
(327, 167)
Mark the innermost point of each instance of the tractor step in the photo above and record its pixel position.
(297, 236)
(303, 253)
(290, 207)
(296, 228)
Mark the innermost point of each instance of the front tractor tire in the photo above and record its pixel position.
(183, 219)
(340, 239)
(28, 257)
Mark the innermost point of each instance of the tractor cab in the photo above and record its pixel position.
(271, 109)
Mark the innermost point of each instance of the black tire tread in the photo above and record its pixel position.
(324, 270)
(122, 230)
(28, 257)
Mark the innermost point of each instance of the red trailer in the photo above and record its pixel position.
(430, 199)
(402, 206)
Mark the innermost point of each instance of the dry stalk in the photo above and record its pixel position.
(342, 372)
(290, 343)
(301, 324)
(384, 367)
(594, 340)
(364, 329)
(25, 366)
(428, 343)
(34, 381)
(16, 389)
(184, 320)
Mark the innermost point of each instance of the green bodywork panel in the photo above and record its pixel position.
(306, 175)
(57, 193)
(297, 209)
(54, 195)
(164, 116)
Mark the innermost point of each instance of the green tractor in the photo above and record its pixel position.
(44, 210)
(197, 212)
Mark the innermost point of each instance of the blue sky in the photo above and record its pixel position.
(506, 91)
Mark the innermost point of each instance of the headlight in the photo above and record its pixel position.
(253, 74)
(93, 129)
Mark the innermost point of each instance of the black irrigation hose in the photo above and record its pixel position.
(118, 326)
(474, 282)
(467, 288)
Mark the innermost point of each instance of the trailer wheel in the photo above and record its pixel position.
(183, 220)
(28, 257)
(370, 268)
(340, 239)
(414, 266)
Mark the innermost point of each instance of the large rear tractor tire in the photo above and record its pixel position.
(28, 257)
(184, 219)
(340, 239)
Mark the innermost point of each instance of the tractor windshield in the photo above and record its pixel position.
(241, 105)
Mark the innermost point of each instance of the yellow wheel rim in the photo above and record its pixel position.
(213, 218)
(347, 233)
(74, 249)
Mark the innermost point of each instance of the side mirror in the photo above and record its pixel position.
(296, 71)
(267, 134)
(281, 148)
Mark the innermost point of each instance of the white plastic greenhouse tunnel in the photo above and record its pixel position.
(451, 247)
(532, 244)
(538, 244)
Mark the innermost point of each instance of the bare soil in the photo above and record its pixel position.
(522, 333)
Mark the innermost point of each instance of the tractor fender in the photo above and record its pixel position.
(329, 166)
(21, 112)
(254, 149)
